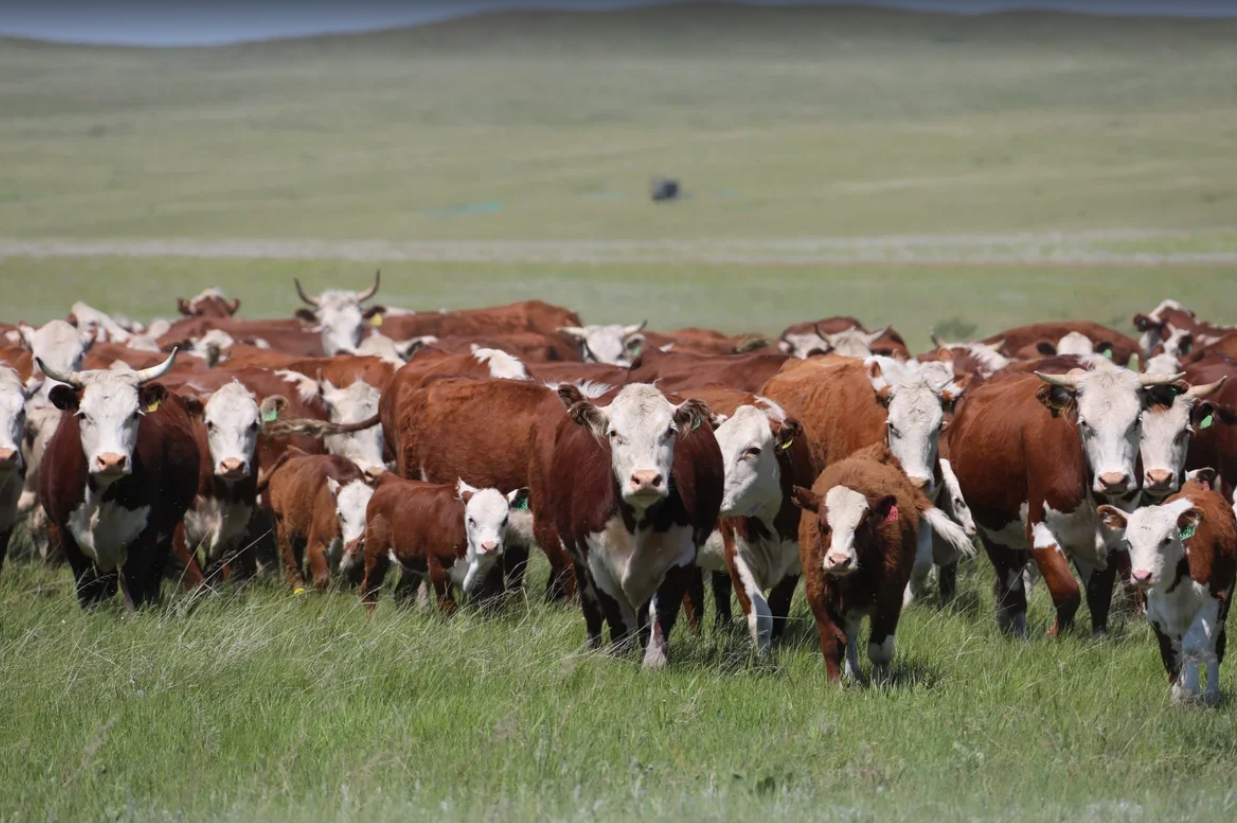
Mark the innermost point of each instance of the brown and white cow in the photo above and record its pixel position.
(637, 490)
(1170, 318)
(676, 371)
(844, 336)
(525, 316)
(1017, 341)
(57, 344)
(857, 542)
(209, 303)
(13, 397)
(319, 504)
(614, 345)
(355, 404)
(453, 535)
(118, 475)
(339, 315)
(1183, 555)
(1035, 455)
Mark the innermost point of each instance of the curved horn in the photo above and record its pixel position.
(233, 305)
(155, 372)
(1065, 381)
(67, 377)
(872, 337)
(821, 334)
(311, 299)
(365, 295)
(936, 341)
(1159, 379)
(1205, 391)
(630, 330)
(996, 345)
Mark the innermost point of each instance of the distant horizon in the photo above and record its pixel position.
(138, 23)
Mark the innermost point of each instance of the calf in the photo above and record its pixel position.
(118, 475)
(1183, 556)
(450, 535)
(637, 490)
(13, 397)
(857, 544)
(319, 505)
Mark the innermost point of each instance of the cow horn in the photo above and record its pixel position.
(936, 340)
(365, 295)
(155, 372)
(996, 345)
(872, 337)
(311, 299)
(821, 334)
(630, 330)
(70, 378)
(1159, 379)
(1065, 381)
(1205, 391)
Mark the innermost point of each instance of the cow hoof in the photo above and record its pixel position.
(655, 659)
(1211, 697)
(1099, 634)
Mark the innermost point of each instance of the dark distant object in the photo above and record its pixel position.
(663, 188)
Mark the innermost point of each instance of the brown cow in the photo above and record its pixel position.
(319, 503)
(1102, 339)
(706, 341)
(857, 542)
(844, 336)
(209, 303)
(449, 534)
(527, 316)
(117, 477)
(637, 488)
(286, 336)
(531, 347)
(1158, 327)
(675, 371)
(1183, 555)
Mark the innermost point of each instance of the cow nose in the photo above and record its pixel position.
(1142, 577)
(1159, 479)
(838, 562)
(1114, 481)
(489, 546)
(918, 482)
(8, 458)
(374, 472)
(110, 463)
(232, 467)
(646, 481)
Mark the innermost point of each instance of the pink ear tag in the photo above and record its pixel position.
(1206, 486)
(893, 514)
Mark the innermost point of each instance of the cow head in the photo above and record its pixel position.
(844, 518)
(352, 405)
(487, 516)
(1107, 404)
(58, 344)
(641, 427)
(339, 315)
(1167, 423)
(952, 502)
(749, 441)
(109, 406)
(351, 501)
(1154, 535)
(13, 397)
(613, 345)
(210, 303)
(231, 418)
(852, 342)
(912, 394)
(1154, 327)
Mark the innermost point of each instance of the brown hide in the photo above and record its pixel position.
(674, 371)
(527, 316)
(1016, 339)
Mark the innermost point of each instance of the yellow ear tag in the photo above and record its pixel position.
(376, 320)
(152, 406)
(786, 445)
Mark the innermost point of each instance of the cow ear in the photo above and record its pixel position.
(883, 508)
(151, 396)
(372, 311)
(1144, 323)
(691, 413)
(945, 355)
(953, 391)
(182, 305)
(234, 305)
(63, 397)
(272, 407)
(1189, 521)
(1206, 476)
(464, 491)
(307, 315)
(570, 394)
(1046, 348)
(27, 335)
(876, 376)
(518, 499)
(1112, 519)
(1186, 343)
(332, 486)
(787, 431)
(805, 499)
(1202, 415)
(1055, 398)
(193, 404)
(586, 414)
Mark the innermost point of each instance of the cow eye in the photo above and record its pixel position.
(613, 434)
(210, 425)
(670, 432)
(253, 427)
(893, 431)
(472, 522)
(754, 451)
(1166, 541)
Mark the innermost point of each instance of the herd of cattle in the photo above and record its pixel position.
(353, 437)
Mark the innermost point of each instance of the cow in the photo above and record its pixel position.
(981, 359)
(319, 503)
(676, 371)
(1159, 325)
(209, 303)
(119, 473)
(706, 341)
(103, 327)
(13, 397)
(340, 315)
(526, 316)
(1014, 342)
(1168, 425)
(615, 345)
(1034, 456)
(357, 403)
(598, 374)
(637, 489)
(1183, 556)
(449, 534)
(844, 336)
(530, 347)
(58, 344)
(857, 542)
(291, 336)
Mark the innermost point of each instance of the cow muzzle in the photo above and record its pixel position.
(1142, 578)
(1159, 480)
(232, 468)
(839, 564)
(1113, 483)
(645, 485)
(111, 464)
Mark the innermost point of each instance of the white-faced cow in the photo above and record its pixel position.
(638, 487)
(119, 473)
(355, 404)
(614, 345)
(13, 397)
(339, 315)
(211, 302)
(58, 344)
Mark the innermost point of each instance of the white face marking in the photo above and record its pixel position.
(108, 417)
(1075, 343)
(802, 345)
(1163, 364)
(616, 345)
(351, 405)
(1179, 342)
(231, 420)
(340, 315)
(216, 340)
(502, 365)
(351, 500)
(845, 511)
(914, 407)
(753, 477)
(642, 432)
(1154, 539)
(13, 396)
(1109, 412)
(57, 344)
(487, 515)
(1163, 444)
(852, 342)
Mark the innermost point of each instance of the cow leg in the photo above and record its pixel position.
(319, 566)
(752, 600)
(4, 546)
(852, 672)
(832, 638)
(91, 586)
(514, 565)
(291, 558)
(1198, 648)
(779, 603)
(192, 577)
(441, 580)
(591, 607)
(1169, 654)
(665, 613)
(947, 580)
(880, 644)
(1054, 568)
(693, 602)
(1099, 594)
(721, 598)
(407, 587)
(1011, 595)
(142, 574)
(377, 561)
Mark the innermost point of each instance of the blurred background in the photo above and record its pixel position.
(969, 165)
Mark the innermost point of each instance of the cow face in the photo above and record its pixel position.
(852, 342)
(844, 517)
(1167, 424)
(351, 500)
(613, 345)
(1108, 406)
(210, 303)
(912, 394)
(352, 405)
(487, 516)
(13, 397)
(231, 420)
(340, 316)
(1154, 536)
(641, 427)
(749, 441)
(1075, 343)
(57, 344)
(952, 502)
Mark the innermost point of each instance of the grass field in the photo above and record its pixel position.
(968, 173)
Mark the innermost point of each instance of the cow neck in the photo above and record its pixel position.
(786, 522)
(1182, 573)
(233, 491)
(660, 516)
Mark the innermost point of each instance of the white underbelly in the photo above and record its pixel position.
(630, 567)
(214, 525)
(105, 530)
(770, 560)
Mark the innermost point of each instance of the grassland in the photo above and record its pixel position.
(970, 173)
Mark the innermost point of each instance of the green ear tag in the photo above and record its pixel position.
(1206, 422)
(522, 504)
(1188, 532)
(696, 424)
(270, 415)
(1108, 353)
(1132, 365)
